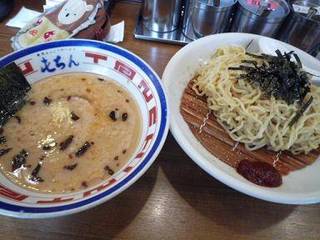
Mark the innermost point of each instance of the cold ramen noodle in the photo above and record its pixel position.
(75, 131)
(258, 113)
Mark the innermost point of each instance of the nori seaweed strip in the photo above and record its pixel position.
(311, 74)
(13, 89)
(255, 56)
(298, 60)
(287, 56)
(19, 160)
(65, 144)
(300, 112)
(298, 88)
(83, 149)
(251, 62)
(74, 116)
(113, 115)
(235, 68)
(70, 167)
(34, 174)
(279, 54)
(4, 151)
(248, 45)
(246, 68)
(268, 57)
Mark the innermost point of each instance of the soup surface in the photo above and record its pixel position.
(75, 131)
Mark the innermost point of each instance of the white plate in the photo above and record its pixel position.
(299, 187)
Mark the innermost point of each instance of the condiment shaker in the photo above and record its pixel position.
(262, 17)
(204, 17)
(161, 15)
(302, 28)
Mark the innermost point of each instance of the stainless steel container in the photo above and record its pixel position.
(161, 15)
(205, 17)
(262, 17)
(302, 28)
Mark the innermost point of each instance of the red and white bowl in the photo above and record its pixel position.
(132, 73)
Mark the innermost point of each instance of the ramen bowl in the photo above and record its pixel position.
(128, 71)
(298, 187)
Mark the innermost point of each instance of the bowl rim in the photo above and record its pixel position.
(18, 211)
(220, 174)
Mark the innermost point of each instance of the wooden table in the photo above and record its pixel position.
(174, 199)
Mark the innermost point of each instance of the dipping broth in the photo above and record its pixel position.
(75, 131)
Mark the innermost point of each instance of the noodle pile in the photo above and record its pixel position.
(248, 115)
